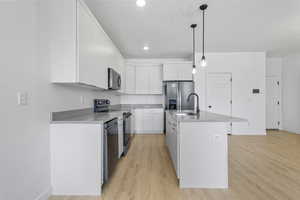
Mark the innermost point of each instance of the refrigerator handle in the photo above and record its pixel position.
(179, 96)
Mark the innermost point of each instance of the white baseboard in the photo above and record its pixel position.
(44, 195)
(249, 134)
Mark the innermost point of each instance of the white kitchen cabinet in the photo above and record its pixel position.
(177, 71)
(156, 82)
(81, 51)
(172, 141)
(76, 159)
(138, 120)
(149, 121)
(130, 80)
(143, 79)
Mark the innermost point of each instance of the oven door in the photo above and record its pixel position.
(111, 148)
(127, 131)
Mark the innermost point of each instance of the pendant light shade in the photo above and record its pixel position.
(203, 62)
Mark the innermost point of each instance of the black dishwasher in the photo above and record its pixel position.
(111, 148)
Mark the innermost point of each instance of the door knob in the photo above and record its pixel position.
(209, 106)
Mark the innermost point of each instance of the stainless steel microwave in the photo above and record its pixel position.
(114, 80)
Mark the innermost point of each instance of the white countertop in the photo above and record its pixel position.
(204, 116)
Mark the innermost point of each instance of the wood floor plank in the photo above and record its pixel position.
(260, 168)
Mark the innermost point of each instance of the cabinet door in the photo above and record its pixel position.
(148, 122)
(168, 133)
(92, 60)
(169, 72)
(174, 146)
(184, 71)
(139, 121)
(158, 120)
(130, 80)
(178, 71)
(142, 80)
(155, 85)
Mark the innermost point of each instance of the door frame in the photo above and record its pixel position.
(276, 78)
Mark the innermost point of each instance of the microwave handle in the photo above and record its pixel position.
(119, 82)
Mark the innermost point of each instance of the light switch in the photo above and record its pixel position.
(22, 98)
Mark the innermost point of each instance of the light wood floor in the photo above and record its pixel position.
(261, 168)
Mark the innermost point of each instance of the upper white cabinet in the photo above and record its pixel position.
(156, 82)
(130, 80)
(177, 71)
(81, 51)
(143, 79)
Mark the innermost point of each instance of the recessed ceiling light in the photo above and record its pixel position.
(146, 48)
(140, 3)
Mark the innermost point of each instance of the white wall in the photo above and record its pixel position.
(24, 138)
(291, 93)
(142, 99)
(248, 72)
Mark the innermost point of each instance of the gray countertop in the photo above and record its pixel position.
(204, 117)
(87, 116)
(91, 118)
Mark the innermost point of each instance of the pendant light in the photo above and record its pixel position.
(203, 63)
(194, 71)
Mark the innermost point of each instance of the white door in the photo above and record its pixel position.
(272, 103)
(219, 93)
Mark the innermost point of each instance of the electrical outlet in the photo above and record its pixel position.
(22, 98)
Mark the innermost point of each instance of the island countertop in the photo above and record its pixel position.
(203, 116)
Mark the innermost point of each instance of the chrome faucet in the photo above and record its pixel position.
(195, 94)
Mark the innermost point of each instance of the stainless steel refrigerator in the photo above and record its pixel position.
(176, 95)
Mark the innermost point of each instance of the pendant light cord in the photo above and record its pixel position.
(193, 26)
(203, 35)
(194, 47)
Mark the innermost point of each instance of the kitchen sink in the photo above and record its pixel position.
(186, 114)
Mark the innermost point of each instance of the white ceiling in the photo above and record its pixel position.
(231, 25)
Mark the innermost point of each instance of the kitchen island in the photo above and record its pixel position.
(198, 146)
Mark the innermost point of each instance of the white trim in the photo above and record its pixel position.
(250, 134)
(44, 195)
(155, 60)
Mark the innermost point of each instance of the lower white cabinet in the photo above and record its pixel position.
(76, 159)
(172, 141)
(148, 121)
